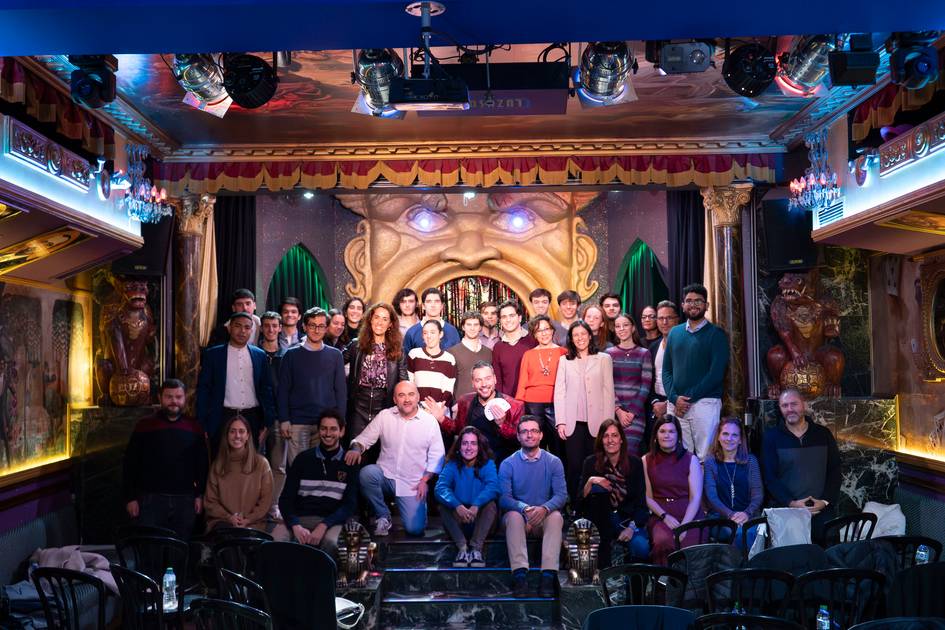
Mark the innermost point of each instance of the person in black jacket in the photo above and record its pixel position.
(801, 463)
(377, 364)
(613, 494)
(667, 316)
(321, 490)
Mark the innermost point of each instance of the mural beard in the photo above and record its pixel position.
(524, 240)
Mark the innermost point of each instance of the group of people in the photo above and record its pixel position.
(586, 414)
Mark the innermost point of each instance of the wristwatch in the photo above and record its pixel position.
(662, 516)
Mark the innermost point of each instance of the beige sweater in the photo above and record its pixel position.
(250, 495)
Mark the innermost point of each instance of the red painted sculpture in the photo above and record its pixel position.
(127, 328)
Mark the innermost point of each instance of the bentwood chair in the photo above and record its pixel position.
(851, 595)
(242, 590)
(642, 584)
(218, 614)
(663, 617)
(72, 600)
(906, 547)
(756, 591)
(902, 623)
(142, 603)
(733, 621)
(848, 528)
(710, 530)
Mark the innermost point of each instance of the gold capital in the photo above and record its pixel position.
(192, 212)
(725, 202)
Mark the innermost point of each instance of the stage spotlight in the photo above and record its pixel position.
(202, 78)
(93, 81)
(802, 69)
(603, 77)
(680, 57)
(749, 69)
(249, 80)
(856, 67)
(913, 61)
(374, 69)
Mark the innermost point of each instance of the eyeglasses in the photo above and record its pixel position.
(666, 319)
(647, 316)
(541, 330)
(694, 302)
(524, 431)
(316, 326)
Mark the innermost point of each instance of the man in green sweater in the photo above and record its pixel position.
(694, 366)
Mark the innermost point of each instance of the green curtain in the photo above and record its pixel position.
(298, 275)
(640, 280)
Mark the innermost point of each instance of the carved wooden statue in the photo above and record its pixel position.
(582, 545)
(127, 328)
(805, 322)
(355, 555)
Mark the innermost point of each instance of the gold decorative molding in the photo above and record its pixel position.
(192, 212)
(932, 287)
(42, 153)
(910, 147)
(725, 202)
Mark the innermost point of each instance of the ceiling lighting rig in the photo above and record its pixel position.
(214, 81)
(913, 61)
(603, 78)
(802, 68)
(749, 69)
(680, 57)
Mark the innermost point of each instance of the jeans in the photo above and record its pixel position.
(475, 533)
(609, 522)
(375, 487)
(173, 511)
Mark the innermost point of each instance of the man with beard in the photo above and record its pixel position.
(483, 408)
(165, 467)
(694, 366)
(490, 324)
(801, 463)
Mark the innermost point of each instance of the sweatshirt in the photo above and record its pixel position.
(798, 467)
(460, 484)
(694, 363)
(319, 485)
(310, 381)
(532, 482)
(166, 457)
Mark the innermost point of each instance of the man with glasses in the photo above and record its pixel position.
(532, 492)
(311, 380)
(694, 364)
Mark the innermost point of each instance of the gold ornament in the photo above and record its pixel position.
(582, 544)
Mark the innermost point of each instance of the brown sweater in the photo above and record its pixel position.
(236, 491)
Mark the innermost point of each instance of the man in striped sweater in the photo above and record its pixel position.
(321, 489)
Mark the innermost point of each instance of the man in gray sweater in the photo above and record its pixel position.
(532, 494)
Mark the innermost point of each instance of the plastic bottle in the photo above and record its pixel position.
(922, 554)
(169, 586)
(738, 610)
(823, 618)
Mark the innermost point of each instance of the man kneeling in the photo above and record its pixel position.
(321, 489)
(411, 453)
(532, 493)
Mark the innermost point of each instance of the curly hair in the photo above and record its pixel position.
(393, 342)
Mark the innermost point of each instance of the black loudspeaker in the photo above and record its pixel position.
(151, 259)
(788, 243)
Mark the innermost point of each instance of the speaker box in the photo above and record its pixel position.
(788, 243)
(151, 259)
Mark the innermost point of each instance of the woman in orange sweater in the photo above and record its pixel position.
(239, 488)
(536, 379)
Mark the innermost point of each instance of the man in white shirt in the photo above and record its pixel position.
(411, 453)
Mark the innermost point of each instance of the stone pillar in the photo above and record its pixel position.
(192, 213)
(725, 204)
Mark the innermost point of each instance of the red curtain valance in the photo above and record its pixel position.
(48, 105)
(671, 170)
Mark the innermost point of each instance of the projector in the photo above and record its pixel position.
(679, 58)
(428, 95)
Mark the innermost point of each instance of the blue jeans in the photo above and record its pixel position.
(750, 538)
(639, 545)
(375, 487)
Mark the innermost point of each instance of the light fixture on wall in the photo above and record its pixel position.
(142, 201)
(603, 76)
(818, 187)
(802, 68)
(201, 76)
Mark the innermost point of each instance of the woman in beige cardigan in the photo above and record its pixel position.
(584, 398)
(239, 488)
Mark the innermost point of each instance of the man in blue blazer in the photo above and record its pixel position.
(235, 380)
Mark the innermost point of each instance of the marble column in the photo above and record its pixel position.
(192, 213)
(725, 204)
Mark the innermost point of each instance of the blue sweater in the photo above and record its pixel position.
(523, 483)
(413, 338)
(694, 363)
(311, 381)
(464, 485)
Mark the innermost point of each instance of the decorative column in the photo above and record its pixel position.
(725, 204)
(192, 213)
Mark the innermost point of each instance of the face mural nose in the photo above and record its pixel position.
(470, 251)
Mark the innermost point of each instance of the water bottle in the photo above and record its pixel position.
(922, 554)
(823, 618)
(738, 610)
(170, 590)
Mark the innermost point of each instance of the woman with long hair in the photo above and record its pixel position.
(673, 488)
(239, 487)
(584, 398)
(536, 379)
(614, 494)
(633, 376)
(594, 316)
(335, 334)
(648, 323)
(733, 487)
(353, 310)
(433, 371)
(377, 364)
(468, 488)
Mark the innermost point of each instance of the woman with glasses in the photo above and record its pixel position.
(633, 377)
(648, 323)
(733, 487)
(584, 398)
(614, 494)
(536, 378)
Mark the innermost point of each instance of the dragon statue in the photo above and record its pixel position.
(127, 328)
(805, 322)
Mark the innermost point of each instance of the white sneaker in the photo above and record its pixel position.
(462, 559)
(382, 526)
(275, 515)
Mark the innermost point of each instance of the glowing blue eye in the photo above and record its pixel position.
(516, 219)
(424, 219)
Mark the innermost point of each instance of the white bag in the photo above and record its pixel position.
(890, 521)
(348, 613)
(788, 526)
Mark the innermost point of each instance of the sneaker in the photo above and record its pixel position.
(475, 559)
(462, 559)
(382, 526)
(519, 586)
(546, 588)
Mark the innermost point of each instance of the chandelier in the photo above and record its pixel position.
(142, 200)
(818, 187)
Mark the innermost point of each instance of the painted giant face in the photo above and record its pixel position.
(524, 240)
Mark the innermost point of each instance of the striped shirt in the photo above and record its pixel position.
(434, 376)
(633, 377)
(316, 485)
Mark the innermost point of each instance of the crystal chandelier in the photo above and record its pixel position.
(142, 200)
(818, 188)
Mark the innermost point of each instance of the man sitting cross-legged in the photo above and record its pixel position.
(532, 493)
(321, 489)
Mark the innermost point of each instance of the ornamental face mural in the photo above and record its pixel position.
(522, 239)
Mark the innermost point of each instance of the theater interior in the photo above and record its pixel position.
(157, 156)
